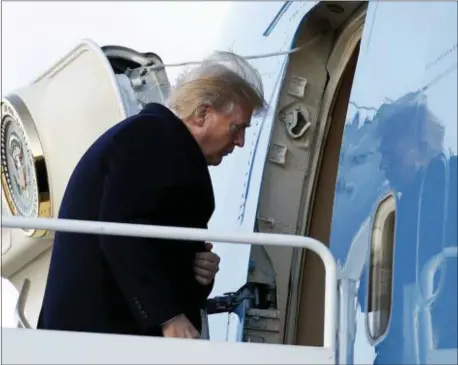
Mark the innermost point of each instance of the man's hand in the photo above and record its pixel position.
(180, 327)
(206, 265)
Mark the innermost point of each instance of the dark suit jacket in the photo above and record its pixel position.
(148, 169)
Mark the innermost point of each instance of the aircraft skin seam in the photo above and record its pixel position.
(253, 151)
(445, 54)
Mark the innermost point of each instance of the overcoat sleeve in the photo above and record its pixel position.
(133, 194)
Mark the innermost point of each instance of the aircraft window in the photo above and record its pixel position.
(381, 270)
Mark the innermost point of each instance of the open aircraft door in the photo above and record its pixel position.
(48, 125)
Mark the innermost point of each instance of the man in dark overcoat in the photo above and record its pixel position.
(151, 168)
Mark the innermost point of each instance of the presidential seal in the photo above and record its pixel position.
(23, 167)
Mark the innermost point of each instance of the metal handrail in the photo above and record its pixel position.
(20, 305)
(194, 234)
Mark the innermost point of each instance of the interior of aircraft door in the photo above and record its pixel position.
(140, 84)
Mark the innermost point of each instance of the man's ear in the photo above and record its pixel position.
(201, 115)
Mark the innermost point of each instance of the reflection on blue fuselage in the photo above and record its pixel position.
(400, 138)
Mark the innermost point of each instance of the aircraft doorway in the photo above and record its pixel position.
(311, 299)
(299, 178)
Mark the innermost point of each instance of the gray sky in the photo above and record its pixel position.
(36, 34)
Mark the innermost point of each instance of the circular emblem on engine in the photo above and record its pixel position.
(23, 175)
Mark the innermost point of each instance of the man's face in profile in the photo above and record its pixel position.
(224, 132)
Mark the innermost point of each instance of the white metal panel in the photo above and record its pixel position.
(81, 101)
(21, 346)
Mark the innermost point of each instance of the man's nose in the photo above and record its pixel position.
(240, 139)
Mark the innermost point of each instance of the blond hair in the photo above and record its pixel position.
(221, 81)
